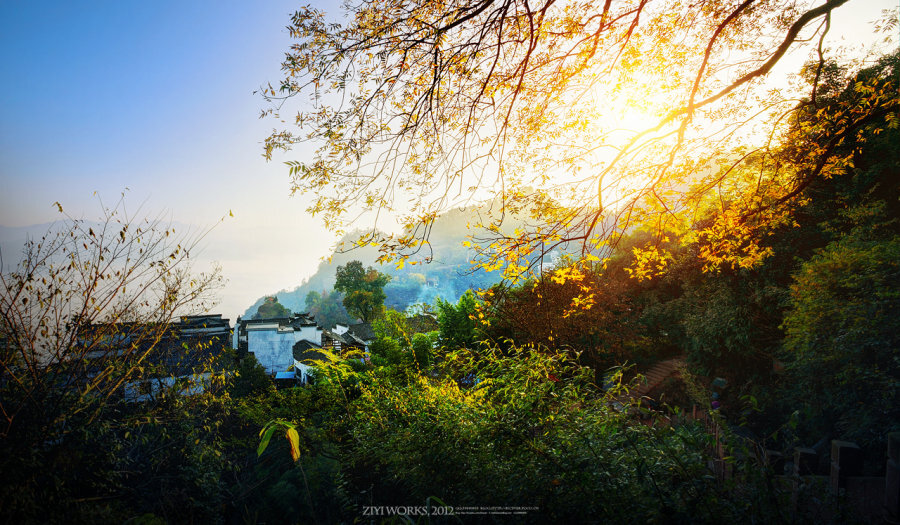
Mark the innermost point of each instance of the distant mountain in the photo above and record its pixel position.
(448, 275)
(12, 239)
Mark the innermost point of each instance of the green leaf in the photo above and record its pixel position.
(264, 442)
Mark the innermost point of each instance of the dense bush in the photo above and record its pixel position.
(529, 428)
(843, 337)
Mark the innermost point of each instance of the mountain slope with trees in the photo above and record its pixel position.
(447, 275)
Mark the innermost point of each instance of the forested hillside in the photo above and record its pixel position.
(447, 275)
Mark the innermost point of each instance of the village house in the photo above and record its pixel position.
(343, 339)
(288, 347)
(185, 351)
(285, 346)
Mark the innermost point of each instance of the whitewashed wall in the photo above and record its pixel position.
(273, 349)
(309, 333)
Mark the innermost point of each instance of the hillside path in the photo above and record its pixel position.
(657, 374)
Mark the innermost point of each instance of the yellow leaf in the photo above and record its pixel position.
(294, 438)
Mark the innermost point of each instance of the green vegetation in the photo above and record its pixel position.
(516, 399)
(447, 274)
(459, 323)
(84, 327)
(521, 395)
(843, 336)
(271, 309)
(327, 308)
(363, 290)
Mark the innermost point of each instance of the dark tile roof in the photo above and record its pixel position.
(352, 340)
(295, 321)
(328, 334)
(363, 331)
(308, 351)
(174, 350)
(209, 319)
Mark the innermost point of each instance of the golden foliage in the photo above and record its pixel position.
(578, 122)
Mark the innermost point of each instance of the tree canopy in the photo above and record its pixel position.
(584, 119)
(363, 290)
(327, 308)
(459, 323)
(271, 309)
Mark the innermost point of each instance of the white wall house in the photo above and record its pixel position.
(272, 346)
(272, 341)
(290, 347)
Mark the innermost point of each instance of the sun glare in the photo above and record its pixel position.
(609, 121)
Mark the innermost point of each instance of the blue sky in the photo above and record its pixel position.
(157, 97)
(152, 96)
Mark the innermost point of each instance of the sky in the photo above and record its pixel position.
(156, 99)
